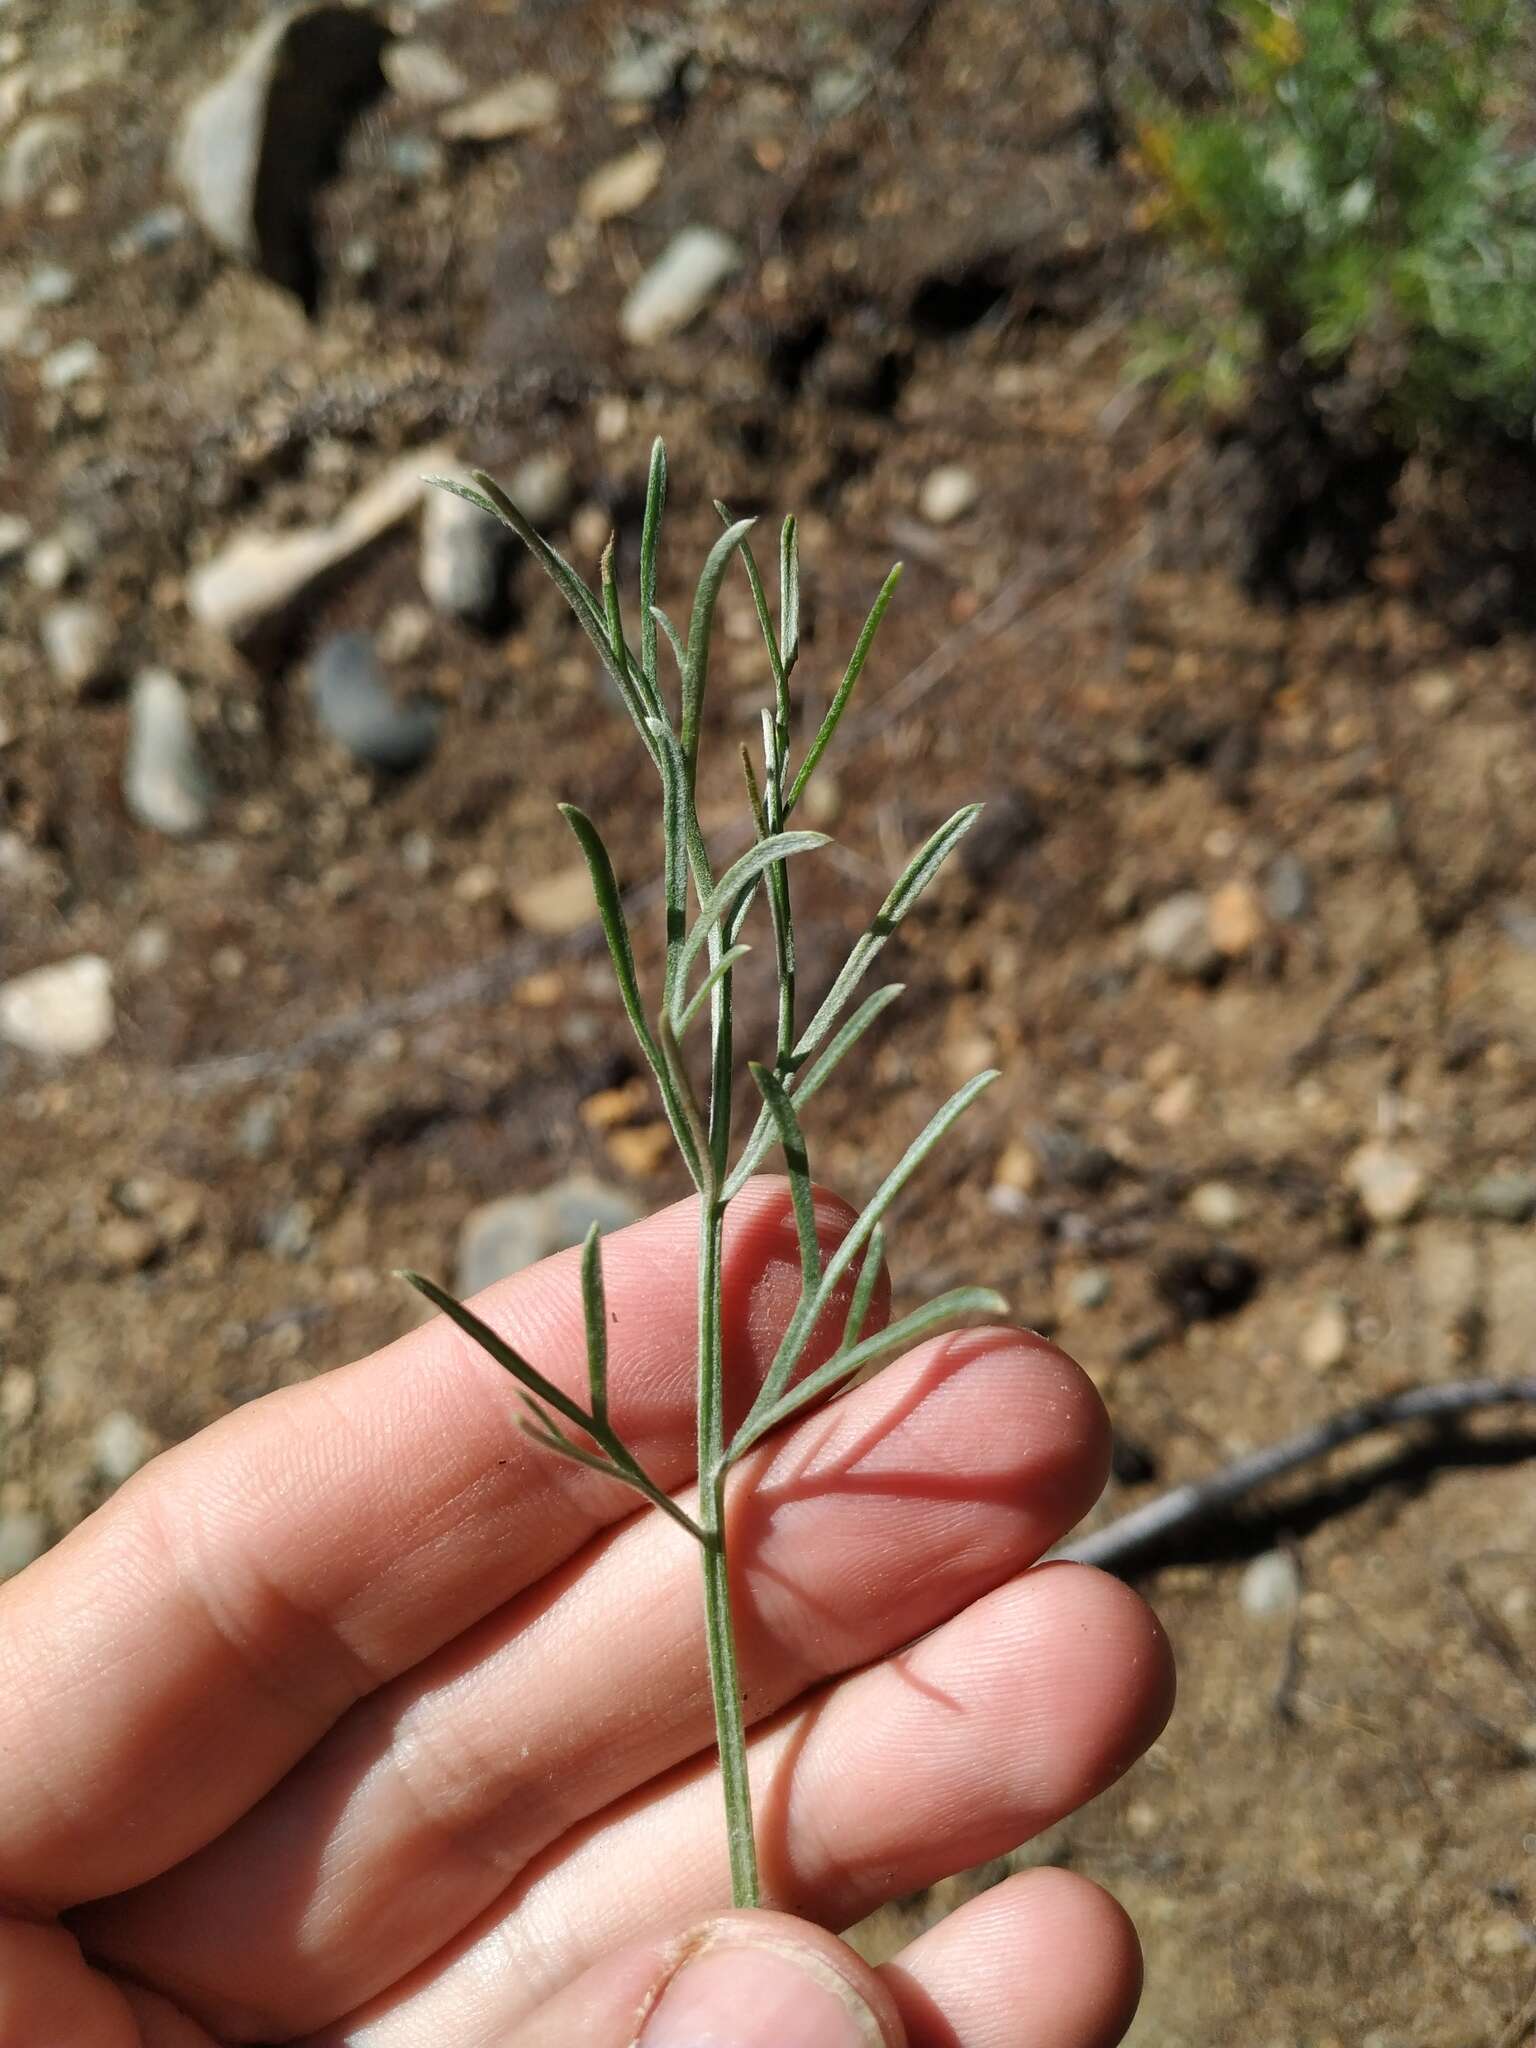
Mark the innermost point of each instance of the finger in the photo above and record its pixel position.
(862, 1528)
(170, 1660)
(742, 1980)
(1043, 1960)
(988, 1730)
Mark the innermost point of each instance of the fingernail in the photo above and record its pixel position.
(760, 1997)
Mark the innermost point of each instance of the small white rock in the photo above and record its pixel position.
(947, 494)
(423, 73)
(1177, 935)
(463, 558)
(541, 487)
(516, 107)
(1271, 1586)
(60, 1012)
(1216, 1205)
(1389, 1183)
(165, 785)
(619, 186)
(120, 1445)
(678, 285)
(70, 365)
(77, 639)
(1090, 1288)
(1325, 1340)
(39, 153)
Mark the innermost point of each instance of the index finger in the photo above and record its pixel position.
(169, 1661)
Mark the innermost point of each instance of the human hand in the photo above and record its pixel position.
(360, 1719)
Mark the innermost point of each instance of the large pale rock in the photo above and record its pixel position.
(502, 1237)
(59, 1012)
(256, 580)
(678, 285)
(165, 784)
(254, 146)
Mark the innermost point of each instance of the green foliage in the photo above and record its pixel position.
(702, 954)
(1360, 206)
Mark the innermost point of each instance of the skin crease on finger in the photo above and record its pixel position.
(867, 1525)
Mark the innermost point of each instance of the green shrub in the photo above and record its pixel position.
(1356, 209)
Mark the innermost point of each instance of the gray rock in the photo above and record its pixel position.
(78, 639)
(1517, 921)
(120, 1445)
(1177, 935)
(678, 285)
(515, 107)
(289, 1232)
(422, 73)
(23, 1539)
(37, 155)
(503, 1237)
(644, 73)
(258, 1129)
(1271, 1586)
(463, 565)
(253, 148)
(947, 494)
(353, 702)
(1504, 1197)
(1090, 1288)
(416, 158)
(165, 784)
(1287, 890)
(59, 1012)
(70, 365)
(50, 284)
(158, 229)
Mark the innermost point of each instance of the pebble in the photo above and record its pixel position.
(259, 578)
(1090, 1288)
(947, 494)
(1389, 1183)
(289, 1232)
(70, 365)
(463, 562)
(353, 702)
(1236, 919)
(542, 487)
(60, 556)
(1270, 1586)
(516, 107)
(256, 1134)
(1504, 1197)
(59, 1012)
(423, 73)
(1287, 889)
(252, 147)
(1216, 1205)
(120, 1446)
(1435, 692)
(616, 188)
(23, 1539)
(15, 534)
(1177, 935)
(417, 158)
(160, 228)
(165, 784)
(403, 633)
(557, 903)
(678, 285)
(77, 639)
(505, 1236)
(1325, 1340)
(50, 284)
(39, 153)
(644, 73)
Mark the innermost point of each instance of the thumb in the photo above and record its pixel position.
(740, 1980)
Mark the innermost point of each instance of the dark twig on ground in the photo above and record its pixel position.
(1127, 1541)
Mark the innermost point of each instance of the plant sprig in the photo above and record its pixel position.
(702, 952)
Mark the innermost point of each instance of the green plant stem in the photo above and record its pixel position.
(720, 1634)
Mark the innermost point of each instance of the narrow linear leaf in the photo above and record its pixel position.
(594, 1307)
(764, 616)
(811, 1306)
(814, 1078)
(845, 688)
(789, 594)
(674, 638)
(692, 1114)
(700, 621)
(876, 1350)
(738, 876)
(754, 794)
(618, 646)
(864, 1291)
(650, 537)
(526, 1375)
(914, 879)
(792, 1142)
(674, 841)
(702, 993)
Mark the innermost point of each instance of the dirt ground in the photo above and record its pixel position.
(335, 1036)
